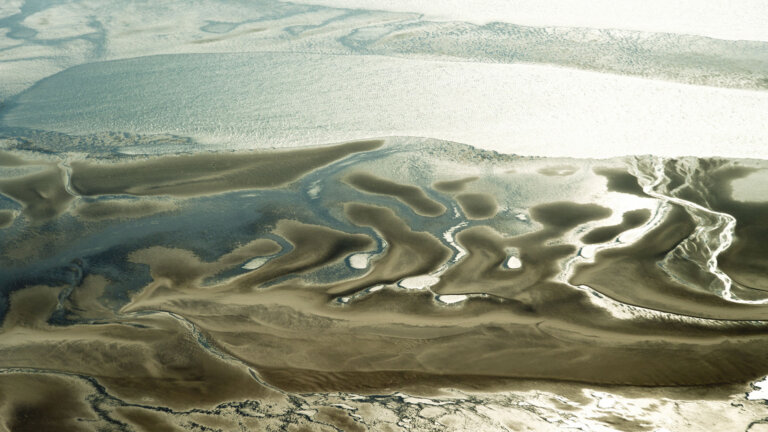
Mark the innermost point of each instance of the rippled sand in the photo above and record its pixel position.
(369, 285)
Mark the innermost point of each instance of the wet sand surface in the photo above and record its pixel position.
(629, 220)
(477, 205)
(410, 195)
(345, 215)
(6, 218)
(360, 285)
(205, 173)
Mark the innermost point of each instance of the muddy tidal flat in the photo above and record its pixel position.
(380, 284)
(327, 216)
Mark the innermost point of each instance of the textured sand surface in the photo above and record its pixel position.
(153, 305)
(335, 215)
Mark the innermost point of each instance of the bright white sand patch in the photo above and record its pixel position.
(448, 236)
(419, 282)
(762, 390)
(607, 402)
(255, 263)
(513, 258)
(359, 261)
(514, 262)
(588, 251)
(421, 401)
(451, 298)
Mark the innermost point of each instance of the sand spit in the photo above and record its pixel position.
(126, 209)
(629, 220)
(453, 185)
(410, 195)
(43, 194)
(206, 173)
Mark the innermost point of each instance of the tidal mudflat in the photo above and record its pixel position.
(233, 302)
(334, 215)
